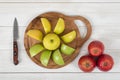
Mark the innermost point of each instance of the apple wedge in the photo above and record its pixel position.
(35, 49)
(45, 56)
(60, 26)
(67, 49)
(57, 57)
(36, 34)
(69, 37)
(46, 25)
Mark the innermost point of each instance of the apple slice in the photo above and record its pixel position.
(45, 56)
(46, 25)
(86, 63)
(69, 37)
(57, 57)
(35, 49)
(60, 26)
(36, 34)
(66, 49)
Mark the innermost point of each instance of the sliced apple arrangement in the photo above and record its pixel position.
(51, 45)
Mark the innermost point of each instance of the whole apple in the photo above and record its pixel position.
(86, 63)
(105, 62)
(51, 41)
(96, 48)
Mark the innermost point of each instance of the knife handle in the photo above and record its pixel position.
(15, 53)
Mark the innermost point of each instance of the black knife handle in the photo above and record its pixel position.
(15, 53)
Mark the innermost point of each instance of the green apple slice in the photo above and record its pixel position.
(69, 37)
(45, 56)
(57, 57)
(35, 49)
(46, 25)
(67, 49)
(60, 26)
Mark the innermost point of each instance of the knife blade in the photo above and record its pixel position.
(15, 44)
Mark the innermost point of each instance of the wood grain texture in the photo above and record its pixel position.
(99, 14)
(57, 76)
(69, 26)
(27, 1)
(28, 66)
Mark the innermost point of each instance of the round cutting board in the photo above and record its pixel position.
(69, 26)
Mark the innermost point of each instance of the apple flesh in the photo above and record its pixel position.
(105, 62)
(45, 56)
(57, 57)
(67, 49)
(86, 63)
(96, 48)
(51, 41)
(35, 49)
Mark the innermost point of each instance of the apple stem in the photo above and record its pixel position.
(95, 51)
(105, 64)
(51, 40)
(87, 65)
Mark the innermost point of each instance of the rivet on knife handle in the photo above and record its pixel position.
(15, 53)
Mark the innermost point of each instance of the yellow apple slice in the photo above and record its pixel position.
(35, 49)
(45, 56)
(36, 34)
(46, 25)
(51, 41)
(69, 37)
(60, 26)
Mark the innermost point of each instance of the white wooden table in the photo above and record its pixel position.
(104, 16)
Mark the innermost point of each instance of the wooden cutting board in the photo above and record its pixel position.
(69, 26)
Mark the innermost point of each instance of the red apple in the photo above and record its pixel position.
(95, 48)
(86, 63)
(105, 62)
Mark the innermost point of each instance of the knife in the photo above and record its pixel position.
(15, 45)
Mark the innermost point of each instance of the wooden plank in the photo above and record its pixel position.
(59, 1)
(26, 65)
(95, 19)
(111, 37)
(98, 14)
(60, 76)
